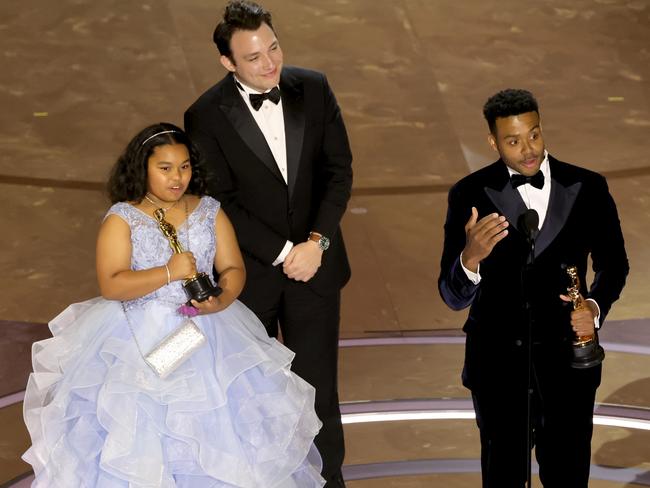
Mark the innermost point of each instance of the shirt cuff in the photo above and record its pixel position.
(474, 277)
(597, 317)
(283, 254)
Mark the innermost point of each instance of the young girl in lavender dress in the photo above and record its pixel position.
(231, 415)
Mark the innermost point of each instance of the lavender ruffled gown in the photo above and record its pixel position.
(233, 415)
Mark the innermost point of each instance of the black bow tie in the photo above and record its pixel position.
(257, 99)
(537, 180)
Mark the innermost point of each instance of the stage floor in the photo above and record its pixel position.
(411, 77)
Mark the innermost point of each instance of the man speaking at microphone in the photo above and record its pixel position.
(486, 250)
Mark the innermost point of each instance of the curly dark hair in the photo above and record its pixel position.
(239, 15)
(128, 178)
(507, 103)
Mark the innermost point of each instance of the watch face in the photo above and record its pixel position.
(324, 243)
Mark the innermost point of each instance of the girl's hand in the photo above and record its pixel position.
(211, 305)
(182, 266)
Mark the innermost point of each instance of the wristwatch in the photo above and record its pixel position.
(322, 241)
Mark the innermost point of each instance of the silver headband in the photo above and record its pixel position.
(157, 134)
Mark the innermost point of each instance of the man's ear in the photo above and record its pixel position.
(227, 63)
(492, 141)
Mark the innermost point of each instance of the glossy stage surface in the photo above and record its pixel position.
(80, 78)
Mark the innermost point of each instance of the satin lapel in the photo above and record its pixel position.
(294, 125)
(560, 204)
(244, 124)
(508, 201)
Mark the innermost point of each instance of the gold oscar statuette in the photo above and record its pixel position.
(197, 287)
(587, 353)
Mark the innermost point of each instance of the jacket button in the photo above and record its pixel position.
(518, 342)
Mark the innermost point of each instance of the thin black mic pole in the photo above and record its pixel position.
(528, 224)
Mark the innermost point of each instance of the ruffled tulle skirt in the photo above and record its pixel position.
(233, 415)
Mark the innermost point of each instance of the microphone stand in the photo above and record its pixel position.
(528, 224)
(526, 278)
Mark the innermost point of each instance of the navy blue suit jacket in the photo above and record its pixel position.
(581, 221)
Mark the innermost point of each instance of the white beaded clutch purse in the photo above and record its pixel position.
(174, 349)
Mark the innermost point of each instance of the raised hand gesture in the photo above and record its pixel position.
(481, 237)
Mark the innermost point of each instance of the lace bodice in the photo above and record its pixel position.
(150, 248)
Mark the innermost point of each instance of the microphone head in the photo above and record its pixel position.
(529, 223)
(531, 218)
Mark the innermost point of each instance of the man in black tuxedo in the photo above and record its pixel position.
(482, 264)
(280, 162)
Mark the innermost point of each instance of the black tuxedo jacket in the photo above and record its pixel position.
(581, 220)
(244, 177)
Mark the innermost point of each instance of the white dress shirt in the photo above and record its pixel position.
(536, 198)
(270, 120)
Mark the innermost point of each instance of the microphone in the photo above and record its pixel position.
(528, 224)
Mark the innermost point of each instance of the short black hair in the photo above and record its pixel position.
(128, 178)
(512, 101)
(239, 15)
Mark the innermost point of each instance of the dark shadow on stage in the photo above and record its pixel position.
(633, 449)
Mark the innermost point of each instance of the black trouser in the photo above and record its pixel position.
(310, 328)
(562, 419)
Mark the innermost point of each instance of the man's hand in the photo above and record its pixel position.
(582, 320)
(481, 237)
(303, 261)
